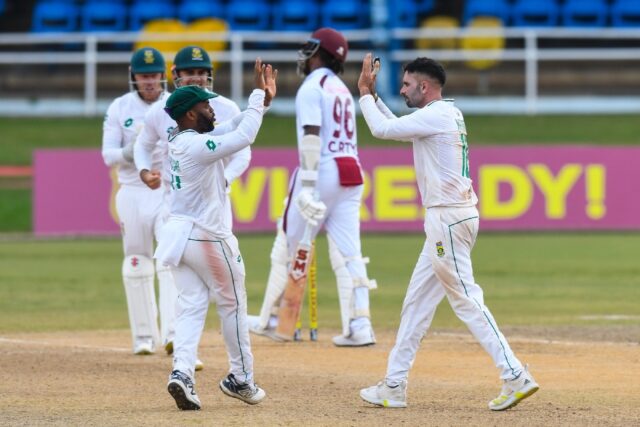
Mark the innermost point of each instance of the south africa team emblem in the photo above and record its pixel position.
(440, 249)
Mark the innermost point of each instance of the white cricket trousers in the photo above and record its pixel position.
(444, 269)
(212, 269)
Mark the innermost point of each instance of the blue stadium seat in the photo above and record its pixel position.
(585, 13)
(496, 8)
(104, 16)
(248, 15)
(402, 14)
(535, 13)
(140, 13)
(344, 14)
(625, 13)
(424, 7)
(54, 17)
(296, 15)
(191, 10)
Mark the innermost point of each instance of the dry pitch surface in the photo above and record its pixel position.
(91, 378)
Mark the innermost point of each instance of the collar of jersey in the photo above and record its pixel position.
(172, 137)
(323, 70)
(441, 99)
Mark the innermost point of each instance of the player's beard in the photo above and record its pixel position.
(204, 123)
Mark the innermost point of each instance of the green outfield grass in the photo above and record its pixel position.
(543, 280)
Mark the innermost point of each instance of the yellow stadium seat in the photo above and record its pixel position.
(439, 22)
(168, 47)
(209, 25)
(171, 26)
(495, 43)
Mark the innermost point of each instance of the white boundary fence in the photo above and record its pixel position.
(531, 54)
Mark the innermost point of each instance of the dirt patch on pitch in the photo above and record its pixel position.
(92, 379)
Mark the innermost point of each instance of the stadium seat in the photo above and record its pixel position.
(625, 13)
(191, 10)
(494, 43)
(496, 8)
(168, 46)
(581, 13)
(296, 15)
(140, 13)
(439, 22)
(344, 14)
(54, 17)
(402, 14)
(248, 15)
(209, 25)
(535, 13)
(424, 7)
(104, 16)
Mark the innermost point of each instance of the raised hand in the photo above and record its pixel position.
(258, 74)
(270, 77)
(367, 79)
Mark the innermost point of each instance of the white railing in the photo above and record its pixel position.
(530, 53)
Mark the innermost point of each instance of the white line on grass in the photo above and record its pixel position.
(55, 344)
(464, 336)
(470, 338)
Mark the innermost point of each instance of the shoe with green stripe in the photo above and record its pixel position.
(386, 396)
(514, 391)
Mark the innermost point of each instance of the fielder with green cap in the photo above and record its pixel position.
(139, 208)
(197, 242)
(192, 66)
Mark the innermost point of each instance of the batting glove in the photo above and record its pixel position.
(311, 209)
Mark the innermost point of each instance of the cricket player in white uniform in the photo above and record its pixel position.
(441, 158)
(197, 240)
(325, 191)
(191, 66)
(139, 208)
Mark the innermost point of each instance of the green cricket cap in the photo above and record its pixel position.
(146, 61)
(192, 57)
(184, 98)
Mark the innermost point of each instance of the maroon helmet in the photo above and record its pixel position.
(330, 40)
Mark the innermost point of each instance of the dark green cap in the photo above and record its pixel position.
(147, 60)
(184, 98)
(192, 57)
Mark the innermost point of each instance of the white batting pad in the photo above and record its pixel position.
(137, 274)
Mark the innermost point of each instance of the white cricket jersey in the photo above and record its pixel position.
(122, 124)
(158, 126)
(324, 100)
(440, 151)
(198, 190)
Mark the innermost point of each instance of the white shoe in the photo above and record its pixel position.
(514, 391)
(249, 393)
(256, 328)
(143, 347)
(199, 365)
(359, 338)
(181, 388)
(383, 395)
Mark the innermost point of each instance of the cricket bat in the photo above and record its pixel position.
(291, 302)
(313, 295)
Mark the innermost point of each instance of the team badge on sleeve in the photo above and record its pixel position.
(440, 249)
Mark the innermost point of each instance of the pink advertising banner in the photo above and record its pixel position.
(519, 188)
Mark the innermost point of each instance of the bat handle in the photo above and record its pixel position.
(306, 236)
